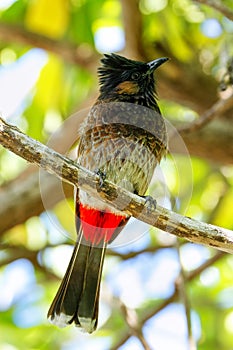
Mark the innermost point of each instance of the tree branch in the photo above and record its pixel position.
(187, 92)
(21, 198)
(33, 151)
(132, 22)
(133, 254)
(156, 309)
(70, 53)
(218, 108)
(214, 142)
(219, 6)
(135, 328)
(181, 286)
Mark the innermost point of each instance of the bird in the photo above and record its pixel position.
(122, 139)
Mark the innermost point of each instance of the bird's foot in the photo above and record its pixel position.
(102, 177)
(150, 204)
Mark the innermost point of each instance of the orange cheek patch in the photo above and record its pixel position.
(127, 87)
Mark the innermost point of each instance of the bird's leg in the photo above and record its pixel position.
(102, 177)
(150, 204)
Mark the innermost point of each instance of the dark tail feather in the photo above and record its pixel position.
(77, 299)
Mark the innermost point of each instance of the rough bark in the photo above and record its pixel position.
(64, 168)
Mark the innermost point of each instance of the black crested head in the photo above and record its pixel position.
(124, 79)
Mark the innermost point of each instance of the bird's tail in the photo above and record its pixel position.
(77, 299)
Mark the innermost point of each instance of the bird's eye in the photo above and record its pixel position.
(135, 76)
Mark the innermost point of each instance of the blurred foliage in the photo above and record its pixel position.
(34, 254)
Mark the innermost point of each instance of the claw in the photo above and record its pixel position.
(151, 203)
(102, 176)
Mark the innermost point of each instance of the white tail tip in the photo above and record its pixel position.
(61, 320)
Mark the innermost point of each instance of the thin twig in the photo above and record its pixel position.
(218, 108)
(189, 278)
(181, 284)
(16, 251)
(35, 152)
(19, 252)
(155, 310)
(131, 255)
(219, 6)
(135, 327)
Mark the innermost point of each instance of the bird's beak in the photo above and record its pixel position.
(153, 65)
